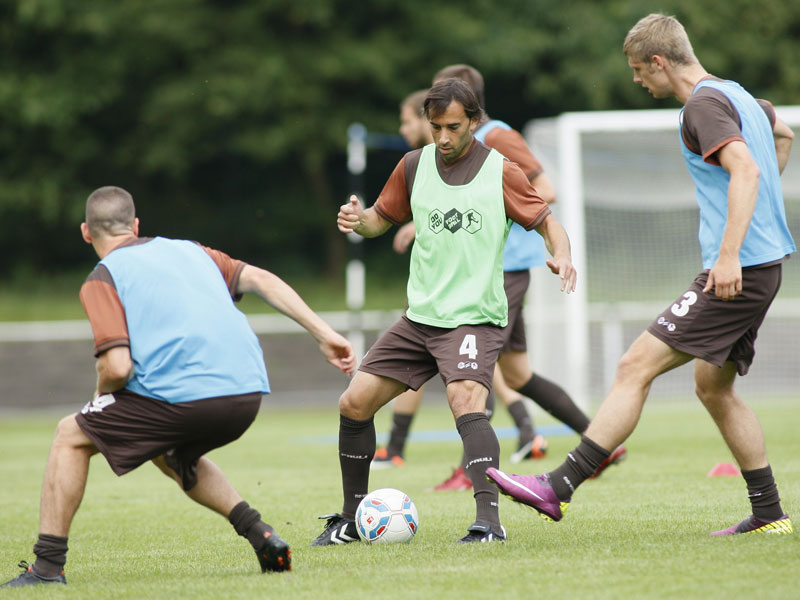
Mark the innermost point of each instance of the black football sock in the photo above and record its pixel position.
(490, 404)
(581, 464)
(523, 421)
(491, 401)
(482, 450)
(556, 401)
(763, 493)
(356, 449)
(51, 555)
(248, 524)
(397, 439)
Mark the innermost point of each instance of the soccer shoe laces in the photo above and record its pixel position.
(333, 519)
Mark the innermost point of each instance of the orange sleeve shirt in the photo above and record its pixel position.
(106, 313)
(522, 203)
(511, 144)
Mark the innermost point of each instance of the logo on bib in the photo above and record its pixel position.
(470, 221)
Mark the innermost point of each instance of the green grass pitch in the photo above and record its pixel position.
(640, 531)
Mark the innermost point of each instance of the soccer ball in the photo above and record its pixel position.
(386, 516)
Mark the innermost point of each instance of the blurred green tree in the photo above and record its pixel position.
(227, 119)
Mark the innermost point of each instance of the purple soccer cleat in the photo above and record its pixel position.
(531, 490)
(753, 524)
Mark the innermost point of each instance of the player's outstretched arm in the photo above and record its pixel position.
(282, 297)
(557, 242)
(352, 218)
(784, 136)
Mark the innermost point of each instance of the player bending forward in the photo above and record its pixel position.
(179, 373)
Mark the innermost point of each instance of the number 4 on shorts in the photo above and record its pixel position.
(469, 346)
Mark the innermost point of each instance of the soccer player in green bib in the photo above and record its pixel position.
(463, 197)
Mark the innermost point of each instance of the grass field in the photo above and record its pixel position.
(640, 531)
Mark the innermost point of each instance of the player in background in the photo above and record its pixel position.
(735, 148)
(514, 378)
(179, 373)
(456, 302)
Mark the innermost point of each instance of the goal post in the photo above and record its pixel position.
(626, 199)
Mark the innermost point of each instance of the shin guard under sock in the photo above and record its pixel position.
(522, 420)
(556, 401)
(763, 493)
(397, 439)
(356, 449)
(481, 451)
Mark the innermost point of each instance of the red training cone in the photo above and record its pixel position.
(724, 469)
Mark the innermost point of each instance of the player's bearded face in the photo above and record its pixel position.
(452, 131)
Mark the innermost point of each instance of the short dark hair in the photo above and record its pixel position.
(109, 211)
(446, 91)
(466, 73)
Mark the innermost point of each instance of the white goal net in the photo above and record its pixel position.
(628, 205)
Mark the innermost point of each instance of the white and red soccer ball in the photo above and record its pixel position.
(386, 516)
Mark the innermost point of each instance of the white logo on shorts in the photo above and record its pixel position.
(468, 365)
(666, 323)
(98, 404)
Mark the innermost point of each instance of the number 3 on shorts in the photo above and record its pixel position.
(469, 346)
(680, 310)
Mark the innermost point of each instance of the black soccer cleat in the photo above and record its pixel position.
(31, 577)
(274, 554)
(338, 530)
(483, 532)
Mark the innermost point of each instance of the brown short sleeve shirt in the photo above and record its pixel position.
(711, 121)
(104, 308)
(522, 204)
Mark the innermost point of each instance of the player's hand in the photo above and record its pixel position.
(725, 278)
(339, 352)
(349, 216)
(403, 238)
(566, 271)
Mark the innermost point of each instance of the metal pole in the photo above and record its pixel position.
(355, 273)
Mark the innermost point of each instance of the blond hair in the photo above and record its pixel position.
(662, 35)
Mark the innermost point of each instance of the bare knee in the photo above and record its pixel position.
(353, 406)
(629, 369)
(714, 386)
(515, 369)
(703, 392)
(715, 398)
(466, 397)
(70, 435)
